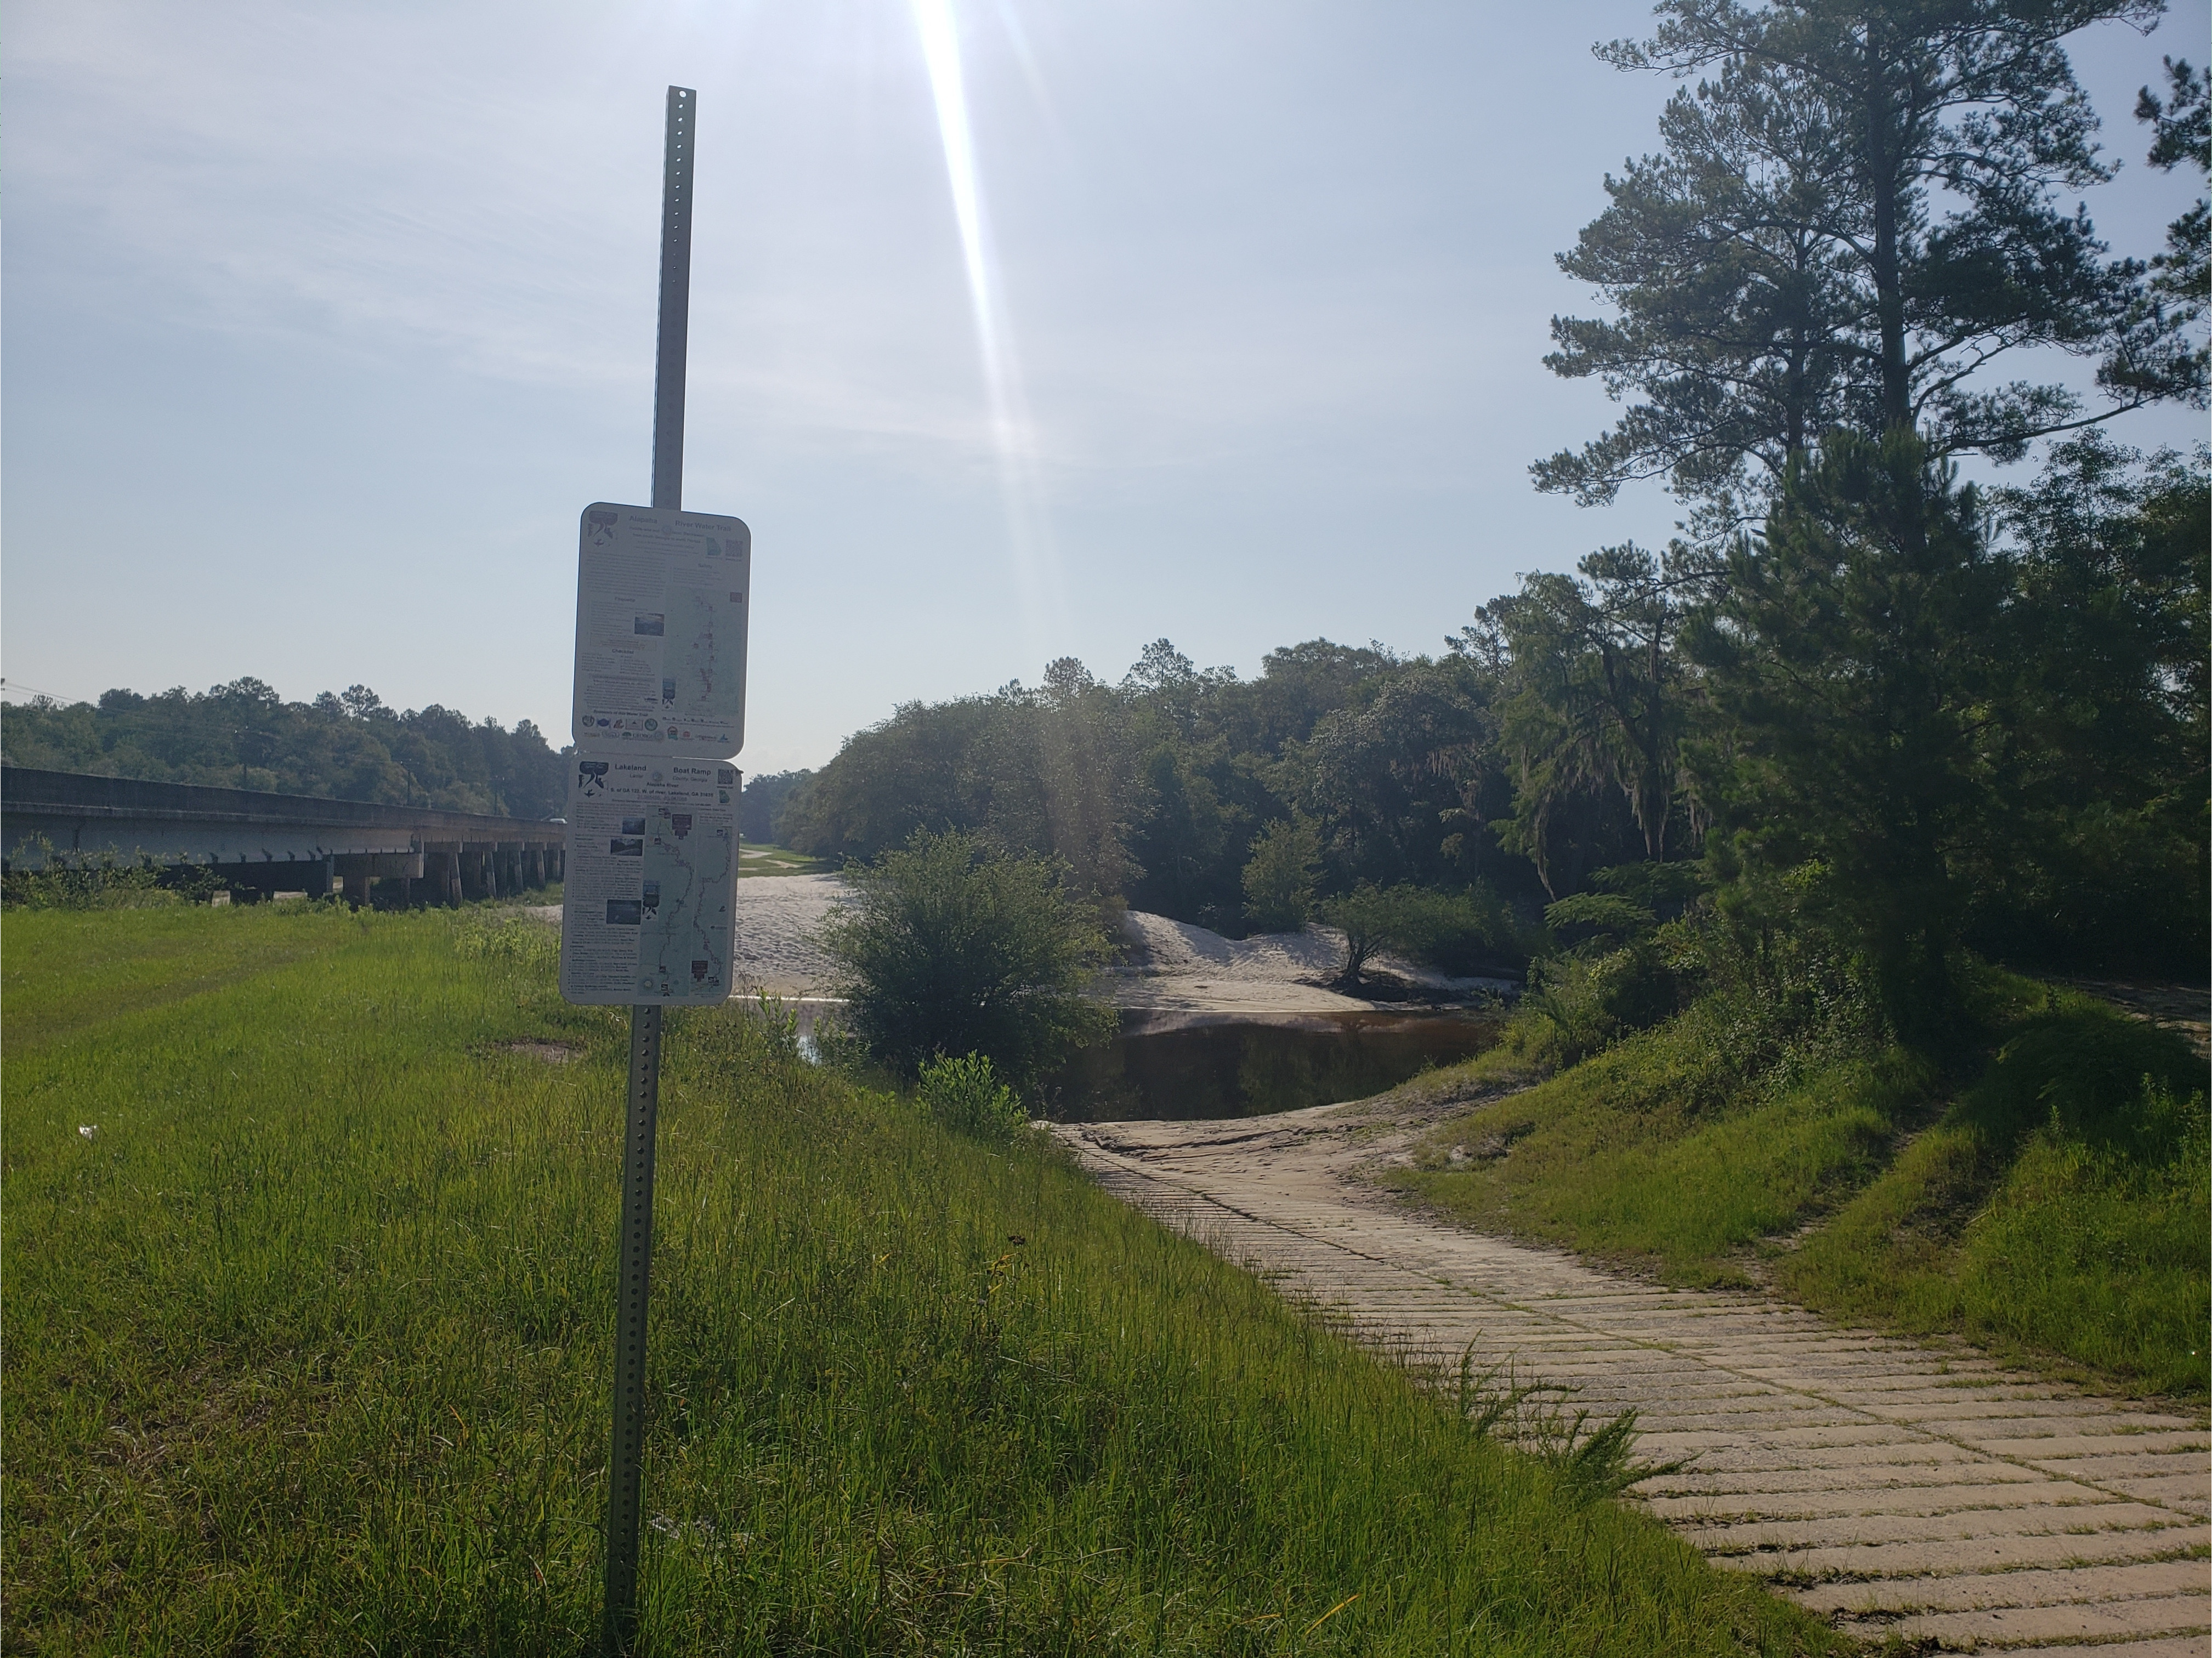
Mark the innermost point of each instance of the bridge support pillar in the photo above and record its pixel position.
(441, 873)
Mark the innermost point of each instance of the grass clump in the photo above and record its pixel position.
(965, 1094)
(1678, 1145)
(306, 1350)
(2056, 1207)
(2059, 1205)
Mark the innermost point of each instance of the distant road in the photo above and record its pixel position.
(275, 843)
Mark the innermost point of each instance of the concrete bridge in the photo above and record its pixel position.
(263, 844)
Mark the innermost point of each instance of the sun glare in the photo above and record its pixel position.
(1036, 563)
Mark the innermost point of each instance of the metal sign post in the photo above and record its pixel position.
(634, 1286)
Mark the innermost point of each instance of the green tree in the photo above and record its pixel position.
(1854, 663)
(2106, 848)
(1855, 214)
(1402, 786)
(344, 746)
(1279, 880)
(1047, 770)
(2160, 352)
(949, 948)
(1594, 699)
(766, 795)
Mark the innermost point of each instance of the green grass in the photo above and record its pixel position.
(66, 970)
(2060, 1206)
(1677, 1147)
(2056, 1209)
(778, 861)
(307, 1351)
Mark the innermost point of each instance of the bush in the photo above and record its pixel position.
(1460, 932)
(2060, 1205)
(105, 880)
(838, 1046)
(1279, 882)
(1576, 1005)
(1666, 889)
(1588, 915)
(948, 947)
(965, 1094)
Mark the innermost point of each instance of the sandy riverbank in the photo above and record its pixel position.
(1167, 967)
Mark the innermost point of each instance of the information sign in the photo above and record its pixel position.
(662, 598)
(647, 917)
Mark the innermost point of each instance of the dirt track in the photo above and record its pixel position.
(1893, 1487)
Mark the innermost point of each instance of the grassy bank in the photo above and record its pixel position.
(760, 859)
(306, 1350)
(2047, 1197)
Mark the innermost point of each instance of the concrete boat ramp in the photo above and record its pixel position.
(1896, 1489)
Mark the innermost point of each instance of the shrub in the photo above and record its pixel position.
(1451, 931)
(2061, 1203)
(1588, 915)
(1279, 881)
(837, 1046)
(965, 1094)
(1576, 1004)
(1666, 890)
(1462, 932)
(948, 947)
(105, 880)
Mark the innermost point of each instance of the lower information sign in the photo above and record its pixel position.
(648, 913)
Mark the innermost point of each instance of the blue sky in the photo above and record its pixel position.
(323, 321)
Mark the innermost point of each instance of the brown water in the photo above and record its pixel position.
(1192, 1066)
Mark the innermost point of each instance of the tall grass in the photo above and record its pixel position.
(2061, 1204)
(307, 1351)
(2057, 1207)
(1680, 1146)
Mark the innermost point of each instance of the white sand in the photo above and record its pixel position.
(777, 919)
(778, 916)
(1173, 965)
(1168, 966)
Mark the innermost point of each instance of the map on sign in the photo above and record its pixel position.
(687, 921)
(649, 913)
(662, 598)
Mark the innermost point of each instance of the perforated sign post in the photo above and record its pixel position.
(649, 917)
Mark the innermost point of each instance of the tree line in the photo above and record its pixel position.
(344, 746)
(1857, 699)
(1988, 707)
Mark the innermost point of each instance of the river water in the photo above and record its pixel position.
(1188, 1065)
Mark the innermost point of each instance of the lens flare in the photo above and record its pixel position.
(1036, 563)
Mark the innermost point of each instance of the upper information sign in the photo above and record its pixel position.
(662, 597)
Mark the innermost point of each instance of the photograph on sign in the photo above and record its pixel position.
(662, 598)
(648, 915)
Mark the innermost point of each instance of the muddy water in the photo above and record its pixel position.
(1184, 1067)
